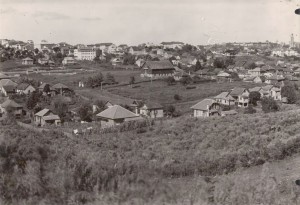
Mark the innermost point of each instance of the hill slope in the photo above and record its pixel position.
(143, 167)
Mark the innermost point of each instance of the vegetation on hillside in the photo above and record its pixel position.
(133, 167)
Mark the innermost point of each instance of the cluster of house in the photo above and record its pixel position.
(236, 97)
(8, 88)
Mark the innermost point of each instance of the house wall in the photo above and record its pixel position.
(200, 113)
(29, 90)
(155, 113)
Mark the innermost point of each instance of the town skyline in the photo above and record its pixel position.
(132, 22)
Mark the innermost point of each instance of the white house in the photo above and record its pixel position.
(206, 108)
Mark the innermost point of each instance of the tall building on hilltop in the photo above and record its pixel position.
(292, 42)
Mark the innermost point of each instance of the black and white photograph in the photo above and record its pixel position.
(150, 102)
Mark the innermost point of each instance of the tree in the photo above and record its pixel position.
(131, 80)
(254, 97)
(61, 108)
(170, 80)
(251, 66)
(177, 97)
(269, 105)
(33, 99)
(100, 106)
(185, 80)
(110, 78)
(219, 63)
(129, 59)
(290, 93)
(36, 51)
(56, 49)
(170, 110)
(250, 110)
(98, 53)
(198, 66)
(85, 113)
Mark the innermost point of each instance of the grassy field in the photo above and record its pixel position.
(178, 161)
(11, 65)
(160, 92)
(121, 76)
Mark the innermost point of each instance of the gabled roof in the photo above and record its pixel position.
(237, 91)
(7, 82)
(116, 112)
(255, 89)
(27, 59)
(23, 86)
(60, 86)
(42, 112)
(223, 74)
(257, 69)
(276, 89)
(51, 117)
(9, 88)
(267, 87)
(276, 77)
(43, 85)
(3, 76)
(202, 105)
(152, 105)
(224, 95)
(164, 64)
(10, 103)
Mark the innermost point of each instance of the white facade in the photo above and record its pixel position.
(85, 54)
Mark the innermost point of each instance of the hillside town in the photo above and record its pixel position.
(163, 102)
(271, 70)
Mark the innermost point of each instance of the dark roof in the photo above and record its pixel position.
(237, 91)
(152, 105)
(172, 42)
(22, 86)
(159, 65)
(11, 103)
(9, 88)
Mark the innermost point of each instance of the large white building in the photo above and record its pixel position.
(85, 53)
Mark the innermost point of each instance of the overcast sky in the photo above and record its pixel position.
(138, 21)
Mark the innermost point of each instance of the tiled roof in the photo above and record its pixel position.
(153, 105)
(116, 112)
(60, 86)
(203, 104)
(22, 86)
(224, 95)
(42, 112)
(27, 59)
(237, 91)
(164, 64)
(7, 82)
(255, 89)
(10, 103)
(51, 117)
